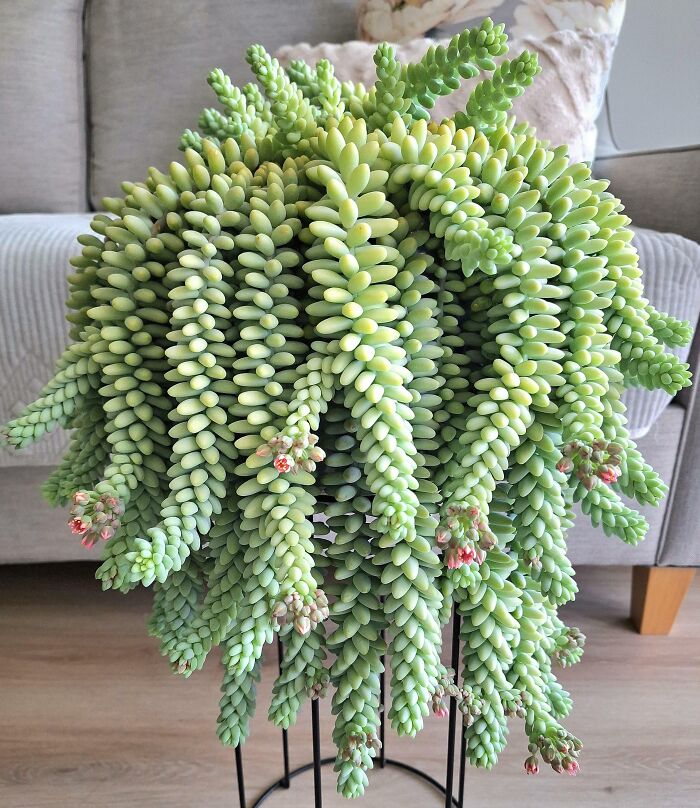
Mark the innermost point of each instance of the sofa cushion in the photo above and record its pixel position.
(148, 65)
(394, 21)
(34, 253)
(671, 267)
(43, 113)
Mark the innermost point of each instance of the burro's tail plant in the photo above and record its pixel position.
(336, 305)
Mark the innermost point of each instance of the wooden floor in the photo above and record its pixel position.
(90, 716)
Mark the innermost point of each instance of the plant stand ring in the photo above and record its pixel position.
(445, 791)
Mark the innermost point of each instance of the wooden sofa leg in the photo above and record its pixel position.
(657, 594)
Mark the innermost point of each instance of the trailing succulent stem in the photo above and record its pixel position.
(420, 330)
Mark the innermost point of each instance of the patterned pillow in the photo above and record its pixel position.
(401, 20)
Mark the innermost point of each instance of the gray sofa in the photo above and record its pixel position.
(93, 92)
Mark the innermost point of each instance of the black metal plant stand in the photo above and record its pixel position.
(446, 791)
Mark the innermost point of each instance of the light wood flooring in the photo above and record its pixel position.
(90, 715)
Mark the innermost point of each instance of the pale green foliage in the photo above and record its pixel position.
(421, 330)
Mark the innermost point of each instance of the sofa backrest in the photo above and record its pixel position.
(95, 91)
(42, 106)
(147, 62)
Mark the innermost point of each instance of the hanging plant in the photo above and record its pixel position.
(420, 330)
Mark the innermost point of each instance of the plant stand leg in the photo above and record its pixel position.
(657, 594)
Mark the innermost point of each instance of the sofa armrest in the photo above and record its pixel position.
(660, 189)
(680, 537)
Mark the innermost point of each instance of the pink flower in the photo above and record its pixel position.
(531, 766)
(283, 463)
(88, 540)
(466, 555)
(607, 474)
(78, 527)
(441, 710)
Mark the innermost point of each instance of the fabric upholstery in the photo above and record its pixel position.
(563, 101)
(398, 22)
(148, 62)
(42, 106)
(681, 540)
(660, 189)
(671, 267)
(30, 529)
(34, 253)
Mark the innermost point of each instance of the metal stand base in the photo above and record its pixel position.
(446, 791)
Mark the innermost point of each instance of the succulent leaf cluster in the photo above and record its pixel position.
(420, 330)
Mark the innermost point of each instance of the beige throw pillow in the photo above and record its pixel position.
(562, 103)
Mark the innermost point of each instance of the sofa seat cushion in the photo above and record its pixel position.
(671, 267)
(34, 253)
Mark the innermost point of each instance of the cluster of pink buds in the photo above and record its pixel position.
(356, 743)
(515, 705)
(317, 689)
(561, 753)
(464, 535)
(569, 647)
(467, 703)
(293, 453)
(94, 516)
(305, 616)
(599, 461)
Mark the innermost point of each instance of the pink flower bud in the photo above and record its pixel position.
(531, 766)
(302, 624)
(565, 465)
(283, 463)
(106, 533)
(81, 498)
(487, 541)
(571, 767)
(279, 612)
(453, 559)
(442, 536)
